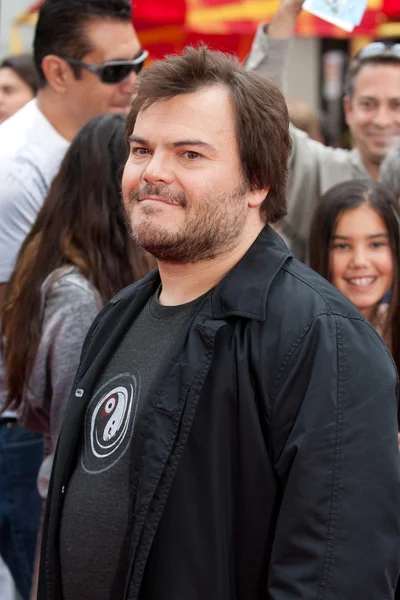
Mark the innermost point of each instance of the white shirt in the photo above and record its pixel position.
(31, 151)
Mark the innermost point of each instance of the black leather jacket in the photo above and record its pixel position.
(267, 461)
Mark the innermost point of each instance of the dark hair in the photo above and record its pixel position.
(390, 171)
(60, 29)
(355, 66)
(339, 199)
(82, 223)
(259, 110)
(24, 67)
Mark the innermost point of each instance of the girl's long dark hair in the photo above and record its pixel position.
(339, 199)
(82, 223)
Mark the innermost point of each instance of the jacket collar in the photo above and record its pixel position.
(243, 291)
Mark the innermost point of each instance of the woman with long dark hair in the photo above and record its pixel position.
(355, 244)
(77, 256)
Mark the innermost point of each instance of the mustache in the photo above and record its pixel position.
(394, 131)
(158, 190)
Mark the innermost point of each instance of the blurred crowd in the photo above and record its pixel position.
(66, 250)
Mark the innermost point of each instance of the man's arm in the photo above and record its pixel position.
(335, 454)
(271, 43)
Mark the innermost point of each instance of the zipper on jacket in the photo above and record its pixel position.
(79, 392)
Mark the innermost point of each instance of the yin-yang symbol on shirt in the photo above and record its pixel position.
(109, 422)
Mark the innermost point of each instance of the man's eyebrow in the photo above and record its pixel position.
(179, 144)
(138, 140)
(192, 142)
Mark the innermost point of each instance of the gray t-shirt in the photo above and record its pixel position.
(96, 521)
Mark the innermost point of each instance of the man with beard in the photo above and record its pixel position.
(231, 432)
(372, 109)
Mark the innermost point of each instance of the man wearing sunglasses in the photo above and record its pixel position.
(372, 110)
(87, 56)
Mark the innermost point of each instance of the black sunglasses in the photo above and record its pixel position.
(113, 71)
(377, 48)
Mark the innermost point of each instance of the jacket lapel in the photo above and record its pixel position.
(167, 421)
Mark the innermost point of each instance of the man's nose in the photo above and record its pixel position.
(126, 86)
(384, 116)
(158, 170)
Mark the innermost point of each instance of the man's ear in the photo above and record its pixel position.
(257, 197)
(58, 73)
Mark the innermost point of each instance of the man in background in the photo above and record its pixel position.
(87, 55)
(372, 110)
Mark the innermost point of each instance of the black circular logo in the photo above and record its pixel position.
(109, 422)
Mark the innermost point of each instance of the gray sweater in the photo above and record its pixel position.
(68, 306)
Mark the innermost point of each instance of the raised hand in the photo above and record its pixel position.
(284, 21)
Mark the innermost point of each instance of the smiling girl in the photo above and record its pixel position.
(354, 243)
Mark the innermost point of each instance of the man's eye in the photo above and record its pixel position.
(139, 151)
(191, 155)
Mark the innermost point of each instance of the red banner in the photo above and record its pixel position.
(391, 9)
(229, 25)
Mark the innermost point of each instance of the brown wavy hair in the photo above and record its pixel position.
(82, 223)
